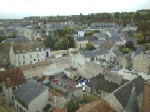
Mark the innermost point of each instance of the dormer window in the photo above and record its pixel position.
(37, 49)
(17, 51)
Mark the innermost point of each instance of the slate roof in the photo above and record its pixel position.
(12, 77)
(5, 47)
(93, 38)
(27, 47)
(91, 54)
(96, 106)
(82, 39)
(102, 25)
(116, 34)
(16, 40)
(100, 83)
(101, 34)
(123, 94)
(29, 91)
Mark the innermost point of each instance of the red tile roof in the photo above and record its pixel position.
(96, 106)
(12, 77)
(146, 98)
(42, 78)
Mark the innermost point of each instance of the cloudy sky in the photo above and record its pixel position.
(21, 8)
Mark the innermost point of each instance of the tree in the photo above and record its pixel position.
(49, 42)
(138, 36)
(57, 45)
(2, 38)
(89, 46)
(64, 43)
(129, 45)
(72, 106)
(144, 28)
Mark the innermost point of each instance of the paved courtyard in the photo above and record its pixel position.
(57, 64)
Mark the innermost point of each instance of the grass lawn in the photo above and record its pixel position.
(87, 98)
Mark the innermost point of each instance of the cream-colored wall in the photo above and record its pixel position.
(81, 44)
(77, 60)
(113, 102)
(8, 93)
(35, 105)
(12, 56)
(19, 57)
(39, 102)
(141, 63)
(60, 101)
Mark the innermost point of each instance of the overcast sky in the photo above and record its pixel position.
(21, 8)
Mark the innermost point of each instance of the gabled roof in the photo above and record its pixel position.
(16, 40)
(82, 39)
(123, 94)
(96, 106)
(116, 34)
(27, 47)
(101, 25)
(93, 38)
(100, 83)
(29, 91)
(101, 34)
(12, 77)
(91, 54)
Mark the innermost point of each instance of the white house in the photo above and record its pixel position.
(26, 53)
(31, 97)
(81, 33)
(89, 56)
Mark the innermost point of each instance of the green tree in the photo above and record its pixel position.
(89, 46)
(72, 106)
(2, 38)
(49, 42)
(138, 36)
(57, 45)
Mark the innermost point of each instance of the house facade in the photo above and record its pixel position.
(141, 63)
(125, 61)
(10, 80)
(4, 54)
(89, 56)
(31, 97)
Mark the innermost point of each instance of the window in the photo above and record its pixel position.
(34, 59)
(24, 62)
(13, 88)
(30, 56)
(38, 59)
(12, 98)
(23, 56)
(30, 62)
